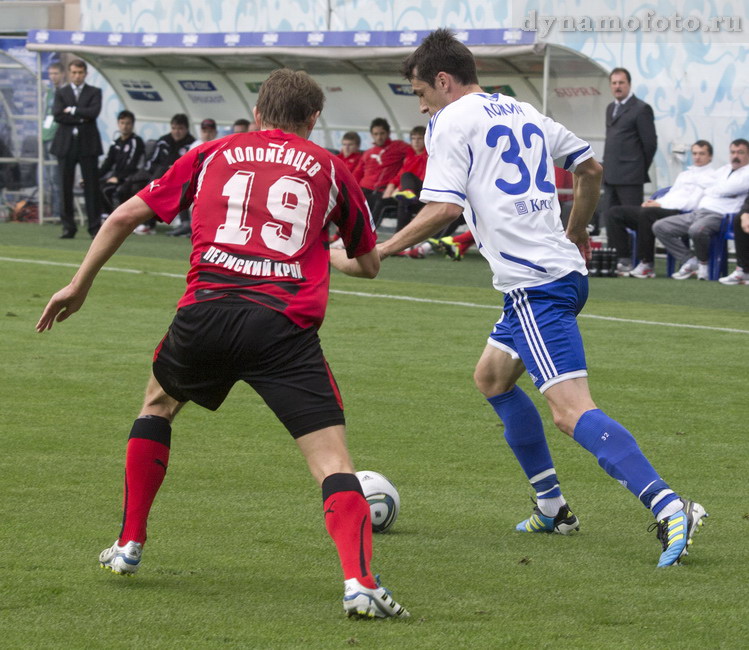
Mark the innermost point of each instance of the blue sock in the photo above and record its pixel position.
(524, 432)
(620, 457)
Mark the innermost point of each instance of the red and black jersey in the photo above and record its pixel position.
(261, 205)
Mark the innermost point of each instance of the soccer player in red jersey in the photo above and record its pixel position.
(350, 153)
(256, 294)
(381, 161)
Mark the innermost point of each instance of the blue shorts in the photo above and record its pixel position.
(539, 327)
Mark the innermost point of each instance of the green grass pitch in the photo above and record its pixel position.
(238, 556)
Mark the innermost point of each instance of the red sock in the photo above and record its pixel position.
(349, 523)
(465, 241)
(145, 467)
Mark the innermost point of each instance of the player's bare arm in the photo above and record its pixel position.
(432, 218)
(586, 191)
(116, 229)
(363, 266)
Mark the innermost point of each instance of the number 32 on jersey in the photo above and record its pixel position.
(513, 156)
(289, 202)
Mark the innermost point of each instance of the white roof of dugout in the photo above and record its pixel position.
(218, 75)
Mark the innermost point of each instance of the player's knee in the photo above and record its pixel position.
(489, 383)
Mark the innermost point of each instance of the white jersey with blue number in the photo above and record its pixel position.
(495, 157)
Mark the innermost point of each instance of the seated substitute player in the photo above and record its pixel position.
(256, 295)
(492, 157)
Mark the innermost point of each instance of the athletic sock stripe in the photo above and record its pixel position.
(527, 322)
(659, 497)
(362, 555)
(540, 495)
(542, 475)
(537, 332)
(645, 489)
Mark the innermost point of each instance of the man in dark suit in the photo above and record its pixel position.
(77, 142)
(630, 143)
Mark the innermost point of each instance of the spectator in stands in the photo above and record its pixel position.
(351, 154)
(168, 149)
(77, 142)
(726, 194)
(683, 196)
(240, 126)
(56, 75)
(381, 162)
(208, 132)
(741, 236)
(630, 145)
(124, 158)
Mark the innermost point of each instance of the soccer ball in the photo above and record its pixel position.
(383, 498)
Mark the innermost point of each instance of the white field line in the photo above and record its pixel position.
(387, 296)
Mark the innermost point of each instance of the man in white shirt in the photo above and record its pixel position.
(492, 158)
(683, 196)
(726, 194)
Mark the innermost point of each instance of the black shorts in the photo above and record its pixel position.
(211, 345)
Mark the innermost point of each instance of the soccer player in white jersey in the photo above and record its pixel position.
(491, 158)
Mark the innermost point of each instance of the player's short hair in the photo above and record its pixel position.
(740, 142)
(441, 52)
(418, 130)
(78, 63)
(126, 115)
(180, 119)
(242, 122)
(56, 65)
(352, 136)
(706, 144)
(289, 99)
(623, 71)
(381, 122)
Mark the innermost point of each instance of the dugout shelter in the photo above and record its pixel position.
(218, 75)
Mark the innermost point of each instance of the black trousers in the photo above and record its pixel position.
(742, 244)
(640, 220)
(90, 174)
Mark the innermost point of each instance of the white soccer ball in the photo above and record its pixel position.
(383, 498)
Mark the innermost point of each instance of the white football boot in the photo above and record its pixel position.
(122, 560)
(362, 602)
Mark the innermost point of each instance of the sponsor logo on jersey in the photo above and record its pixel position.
(254, 266)
(533, 205)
